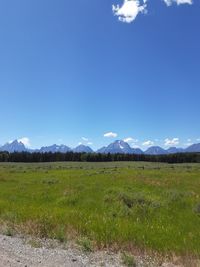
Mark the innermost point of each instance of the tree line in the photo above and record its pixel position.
(96, 157)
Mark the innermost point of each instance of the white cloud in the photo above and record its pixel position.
(135, 146)
(188, 144)
(198, 139)
(148, 143)
(172, 142)
(130, 140)
(110, 134)
(178, 2)
(89, 143)
(85, 139)
(25, 141)
(129, 10)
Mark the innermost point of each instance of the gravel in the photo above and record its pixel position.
(17, 252)
(29, 252)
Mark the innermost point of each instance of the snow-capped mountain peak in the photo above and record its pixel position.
(118, 146)
(14, 146)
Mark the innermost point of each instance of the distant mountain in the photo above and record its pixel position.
(137, 151)
(55, 148)
(118, 146)
(174, 150)
(83, 148)
(155, 150)
(14, 146)
(101, 150)
(193, 148)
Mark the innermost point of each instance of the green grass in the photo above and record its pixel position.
(148, 206)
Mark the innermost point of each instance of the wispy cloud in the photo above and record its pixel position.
(25, 141)
(178, 2)
(89, 143)
(189, 142)
(110, 135)
(135, 146)
(130, 9)
(172, 142)
(84, 139)
(148, 143)
(130, 140)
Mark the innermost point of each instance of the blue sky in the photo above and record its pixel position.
(72, 69)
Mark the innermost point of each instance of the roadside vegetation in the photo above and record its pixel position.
(125, 206)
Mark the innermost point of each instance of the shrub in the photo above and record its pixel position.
(8, 232)
(50, 181)
(34, 243)
(128, 260)
(85, 244)
(44, 226)
(61, 234)
(197, 209)
(70, 200)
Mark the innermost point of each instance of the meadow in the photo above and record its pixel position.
(118, 205)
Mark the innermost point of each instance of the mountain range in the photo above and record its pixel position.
(118, 146)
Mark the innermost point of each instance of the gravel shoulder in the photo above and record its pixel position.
(15, 252)
(28, 252)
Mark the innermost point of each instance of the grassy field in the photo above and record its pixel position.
(123, 205)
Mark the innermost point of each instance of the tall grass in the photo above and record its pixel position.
(148, 206)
